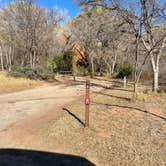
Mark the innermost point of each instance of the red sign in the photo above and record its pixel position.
(87, 101)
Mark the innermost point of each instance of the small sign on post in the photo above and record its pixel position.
(87, 103)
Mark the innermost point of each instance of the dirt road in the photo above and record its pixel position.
(43, 124)
(36, 106)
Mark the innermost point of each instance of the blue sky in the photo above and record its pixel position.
(72, 8)
(68, 5)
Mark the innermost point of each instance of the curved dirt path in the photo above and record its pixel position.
(16, 106)
(32, 108)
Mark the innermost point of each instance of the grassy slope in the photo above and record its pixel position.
(9, 84)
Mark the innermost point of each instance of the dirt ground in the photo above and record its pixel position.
(122, 132)
(36, 107)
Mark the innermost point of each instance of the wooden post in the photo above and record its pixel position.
(87, 103)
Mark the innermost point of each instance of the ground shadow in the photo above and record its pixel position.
(74, 116)
(122, 98)
(112, 87)
(114, 81)
(75, 83)
(54, 81)
(18, 157)
(133, 108)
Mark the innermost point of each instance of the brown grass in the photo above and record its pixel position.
(10, 84)
(121, 132)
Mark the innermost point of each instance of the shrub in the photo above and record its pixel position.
(124, 70)
(44, 73)
(82, 70)
(29, 73)
(17, 72)
(63, 62)
(41, 73)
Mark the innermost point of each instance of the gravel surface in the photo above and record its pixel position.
(19, 105)
(16, 106)
(50, 119)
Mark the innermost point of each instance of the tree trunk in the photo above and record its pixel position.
(74, 67)
(136, 67)
(113, 67)
(92, 67)
(1, 56)
(10, 63)
(6, 60)
(110, 70)
(34, 59)
(10, 59)
(31, 60)
(114, 63)
(155, 80)
(2, 64)
(135, 90)
(156, 67)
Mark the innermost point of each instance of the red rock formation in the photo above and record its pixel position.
(79, 51)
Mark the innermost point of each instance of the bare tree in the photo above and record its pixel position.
(142, 21)
(27, 33)
(151, 12)
(98, 31)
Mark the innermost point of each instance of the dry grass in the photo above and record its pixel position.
(10, 84)
(121, 132)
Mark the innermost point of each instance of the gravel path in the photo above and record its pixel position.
(16, 106)
(19, 105)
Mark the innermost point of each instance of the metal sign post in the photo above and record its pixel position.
(87, 103)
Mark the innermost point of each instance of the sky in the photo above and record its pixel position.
(68, 5)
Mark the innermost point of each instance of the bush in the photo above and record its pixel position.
(63, 62)
(124, 70)
(82, 70)
(17, 72)
(29, 73)
(44, 73)
(41, 73)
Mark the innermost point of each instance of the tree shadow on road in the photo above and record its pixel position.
(18, 157)
(111, 87)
